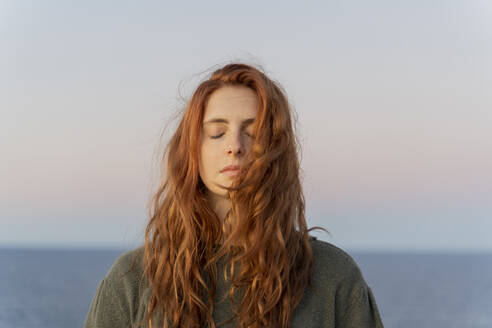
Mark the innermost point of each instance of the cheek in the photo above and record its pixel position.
(208, 161)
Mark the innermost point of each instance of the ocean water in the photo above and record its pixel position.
(54, 288)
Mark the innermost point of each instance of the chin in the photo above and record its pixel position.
(223, 193)
(219, 192)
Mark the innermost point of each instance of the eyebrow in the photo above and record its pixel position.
(222, 120)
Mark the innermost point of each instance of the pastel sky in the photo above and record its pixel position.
(393, 102)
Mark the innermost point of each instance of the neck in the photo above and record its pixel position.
(220, 204)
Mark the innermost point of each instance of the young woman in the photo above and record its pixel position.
(227, 242)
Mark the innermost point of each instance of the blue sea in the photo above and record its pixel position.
(54, 288)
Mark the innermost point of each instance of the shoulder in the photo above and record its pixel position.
(343, 288)
(125, 278)
(128, 260)
(116, 301)
(127, 268)
(332, 264)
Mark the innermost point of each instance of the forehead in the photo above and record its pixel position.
(230, 103)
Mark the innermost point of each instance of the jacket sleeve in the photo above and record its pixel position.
(108, 308)
(357, 306)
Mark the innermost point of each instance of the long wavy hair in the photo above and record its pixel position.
(264, 237)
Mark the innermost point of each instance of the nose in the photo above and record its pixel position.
(235, 145)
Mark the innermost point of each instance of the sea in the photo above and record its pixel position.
(53, 288)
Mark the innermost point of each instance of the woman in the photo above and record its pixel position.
(227, 241)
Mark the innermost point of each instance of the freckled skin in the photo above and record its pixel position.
(224, 144)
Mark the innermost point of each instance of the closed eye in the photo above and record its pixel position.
(220, 135)
(217, 136)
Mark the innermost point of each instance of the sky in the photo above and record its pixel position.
(392, 99)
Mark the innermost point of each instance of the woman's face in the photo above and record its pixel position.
(226, 135)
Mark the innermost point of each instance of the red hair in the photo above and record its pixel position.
(268, 239)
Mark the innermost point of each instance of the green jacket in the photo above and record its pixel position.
(343, 298)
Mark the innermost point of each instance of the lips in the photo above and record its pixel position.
(230, 168)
